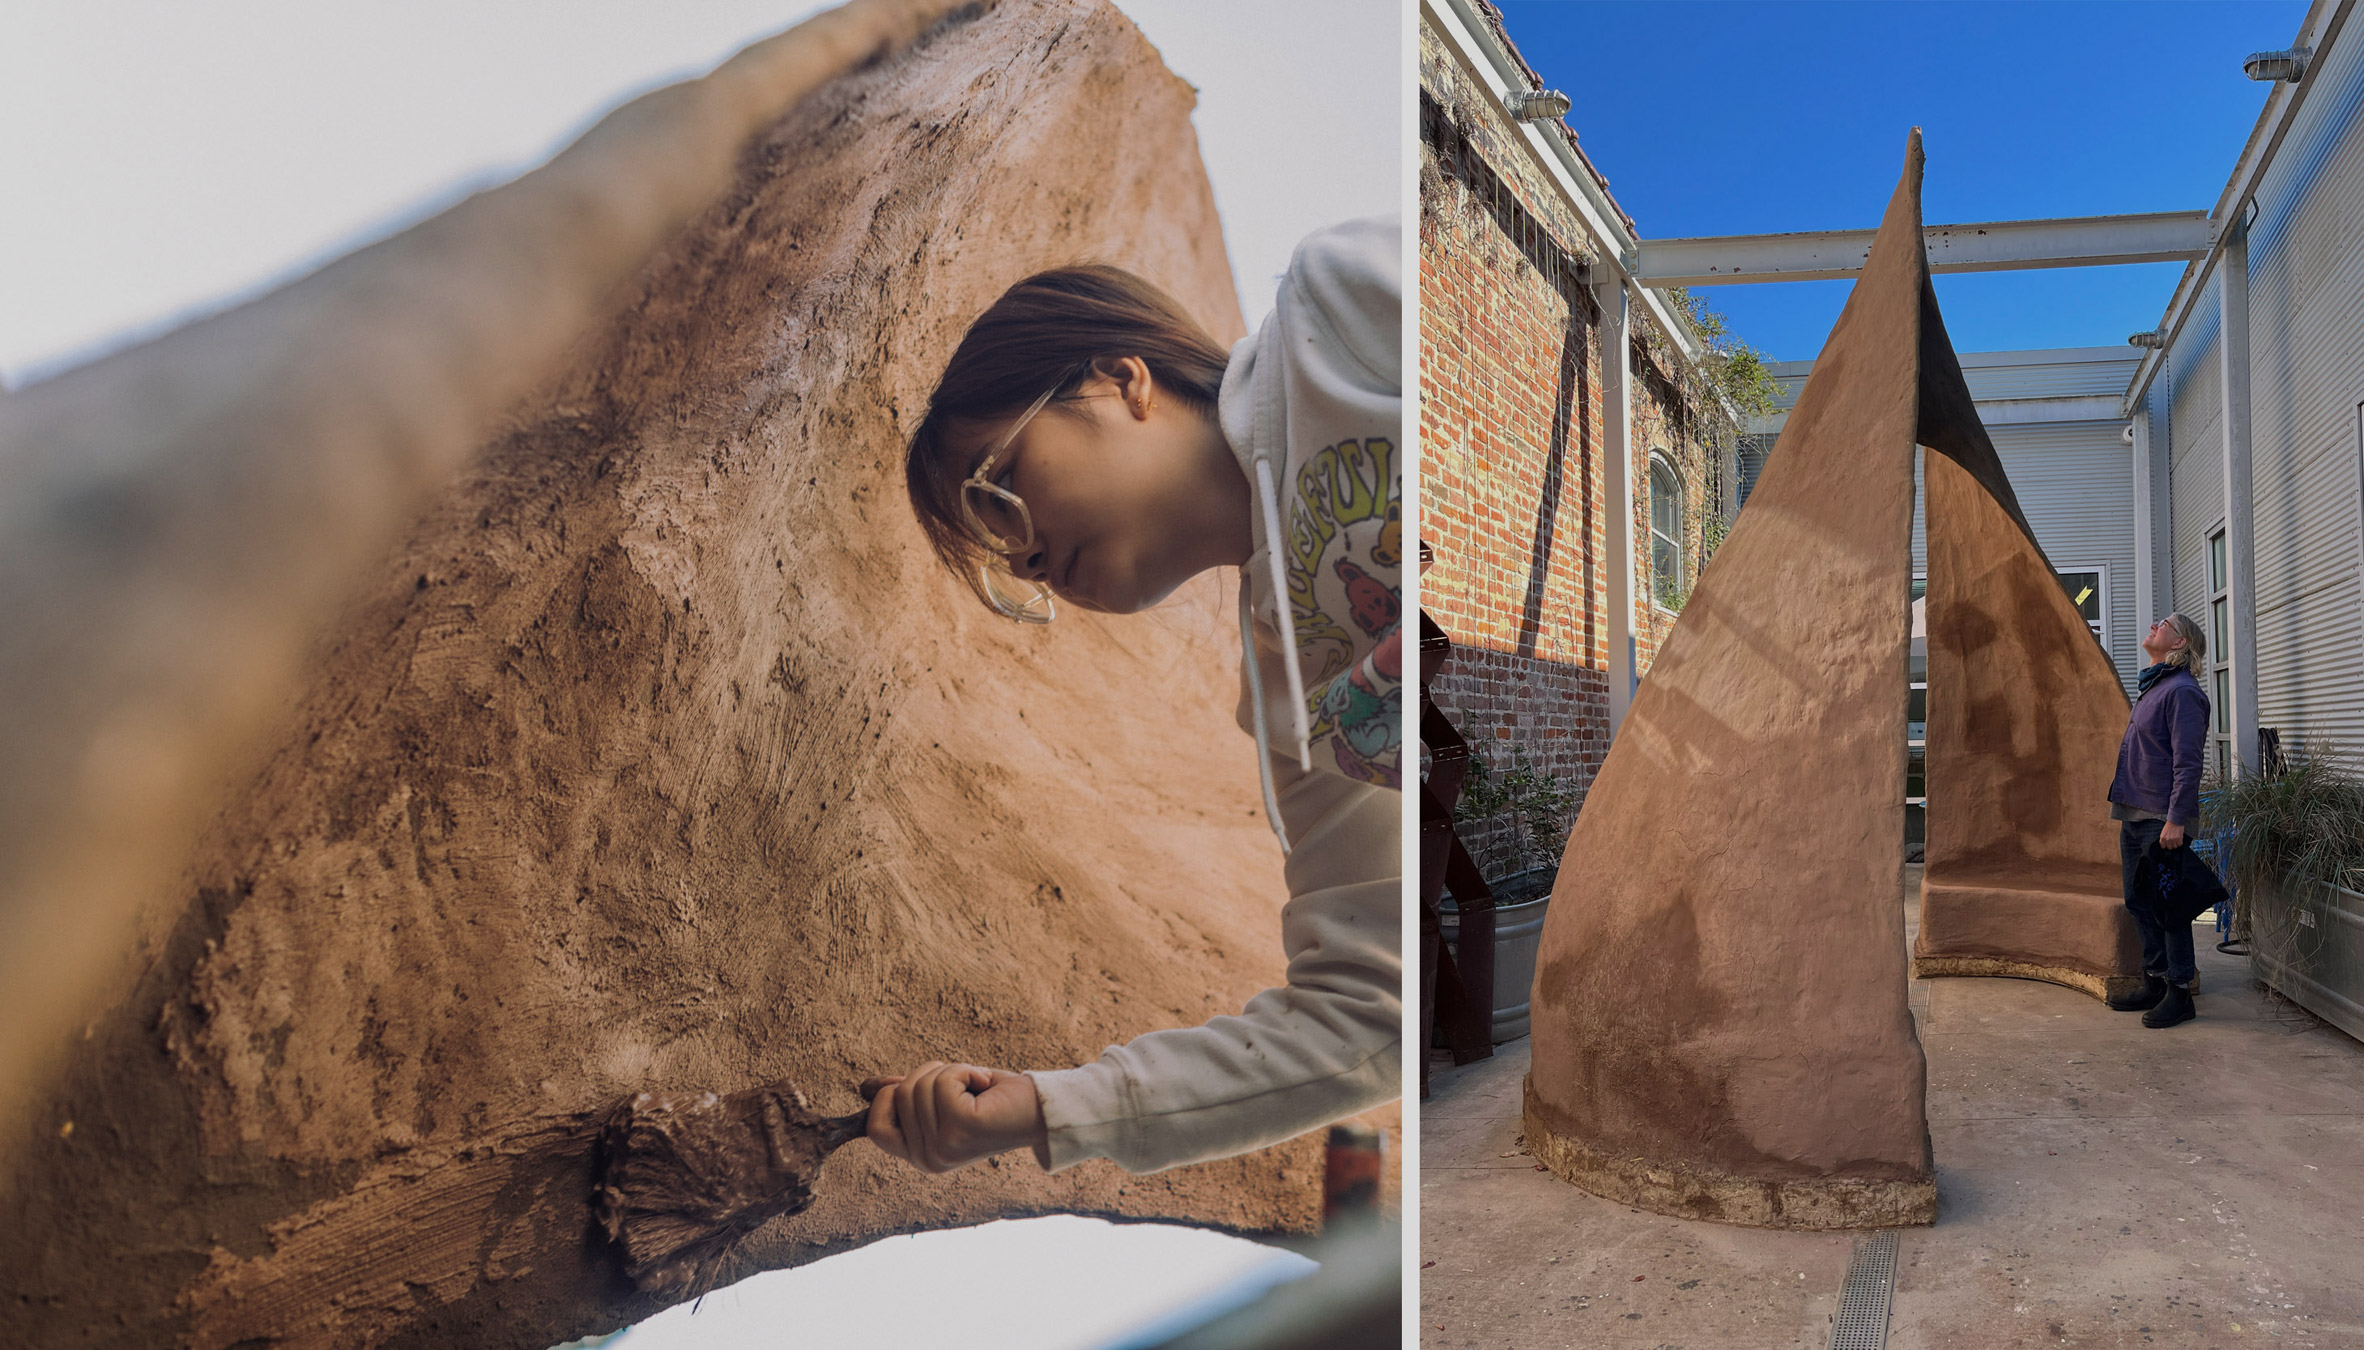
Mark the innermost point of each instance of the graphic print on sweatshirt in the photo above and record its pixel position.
(1344, 567)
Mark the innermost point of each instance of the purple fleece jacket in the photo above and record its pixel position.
(2166, 743)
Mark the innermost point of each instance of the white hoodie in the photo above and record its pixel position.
(1313, 406)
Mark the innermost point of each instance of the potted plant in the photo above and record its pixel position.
(1529, 810)
(2292, 844)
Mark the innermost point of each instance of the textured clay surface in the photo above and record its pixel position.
(661, 756)
(1720, 1019)
(2025, 713)
(180, 521)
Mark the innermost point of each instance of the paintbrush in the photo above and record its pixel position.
(684, 1176)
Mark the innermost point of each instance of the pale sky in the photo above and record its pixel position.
(163, 157)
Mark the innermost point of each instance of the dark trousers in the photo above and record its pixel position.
(2166, 947)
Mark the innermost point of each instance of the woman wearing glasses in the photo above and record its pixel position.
(1090, 445)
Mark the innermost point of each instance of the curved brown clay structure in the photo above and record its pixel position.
(2025, 712)
(659, 753)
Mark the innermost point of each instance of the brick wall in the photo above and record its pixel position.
(1513, 489)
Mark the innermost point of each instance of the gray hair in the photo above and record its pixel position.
(2193, 654)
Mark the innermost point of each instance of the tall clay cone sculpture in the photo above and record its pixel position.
(1720, 1024)
(2025, 712)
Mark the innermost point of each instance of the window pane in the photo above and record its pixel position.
(2084, 591)
(2216, 562)
(1666, 503)
(2223, 701)
(1666, 567)
(2217, 646)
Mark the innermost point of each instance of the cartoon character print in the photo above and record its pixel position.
(1344, 549)
(1371, 602)
(1363, 707)
(1338, 508)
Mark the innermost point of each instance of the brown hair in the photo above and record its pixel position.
(1044, 333)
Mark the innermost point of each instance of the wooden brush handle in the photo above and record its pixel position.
(838, 1131)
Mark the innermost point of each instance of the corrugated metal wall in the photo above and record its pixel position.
(2075, 481)
(2306, 325)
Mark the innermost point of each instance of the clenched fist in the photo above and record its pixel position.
(941, 1116)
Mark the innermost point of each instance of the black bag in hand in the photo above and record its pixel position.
(2181, 886)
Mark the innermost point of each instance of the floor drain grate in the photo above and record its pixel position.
(1862, 1319)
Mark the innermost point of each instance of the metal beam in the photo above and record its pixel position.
(2005, 412)
(1617, 482)
(1996, 246)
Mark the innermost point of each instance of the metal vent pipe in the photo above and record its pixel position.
(1537, 105)
(2288, 65)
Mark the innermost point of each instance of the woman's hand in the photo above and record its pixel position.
(2171, 835)
(942, 1116)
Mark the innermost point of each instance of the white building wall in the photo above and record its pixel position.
(2306, 258)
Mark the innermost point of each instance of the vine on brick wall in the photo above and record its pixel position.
(1729, 366)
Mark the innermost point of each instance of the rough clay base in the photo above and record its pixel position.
(2103, 987)
(1688, 1192)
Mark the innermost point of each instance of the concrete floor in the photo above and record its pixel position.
(2099, 1184)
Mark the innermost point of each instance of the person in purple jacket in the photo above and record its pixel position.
(2156, 796)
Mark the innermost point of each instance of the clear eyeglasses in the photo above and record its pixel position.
(997, 519)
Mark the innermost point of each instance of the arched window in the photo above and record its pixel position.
(1666, 532)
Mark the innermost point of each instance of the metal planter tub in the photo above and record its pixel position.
(2310, 949)
(1518, 930)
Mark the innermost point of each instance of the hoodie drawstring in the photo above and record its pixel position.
(1280, 609)
(1247, 642)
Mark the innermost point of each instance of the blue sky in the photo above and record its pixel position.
(1743, 118)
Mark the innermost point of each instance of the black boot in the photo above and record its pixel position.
(2175, 1007)
(2154, 988)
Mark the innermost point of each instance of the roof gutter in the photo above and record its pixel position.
(1502, 74)
(2324, 20)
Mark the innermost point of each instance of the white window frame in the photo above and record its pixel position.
(2220, 665)
(1660, 459)
(2103, 571)
(1921, 743)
